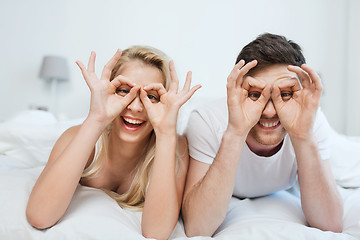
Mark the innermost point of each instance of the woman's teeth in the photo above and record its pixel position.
(133, 121)
(269, 124)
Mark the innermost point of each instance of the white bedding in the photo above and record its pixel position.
(26, 141)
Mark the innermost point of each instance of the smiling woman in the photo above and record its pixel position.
(127, 145)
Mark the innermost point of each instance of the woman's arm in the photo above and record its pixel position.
(56, 185)
(165, 191)
(164, 195)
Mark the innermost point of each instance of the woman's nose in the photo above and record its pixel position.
(136, 105)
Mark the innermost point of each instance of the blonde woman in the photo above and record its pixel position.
(127, 145)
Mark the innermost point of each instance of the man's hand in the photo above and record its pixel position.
(246, 98)
(296, 105)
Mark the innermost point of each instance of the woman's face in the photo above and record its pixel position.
(133, 124)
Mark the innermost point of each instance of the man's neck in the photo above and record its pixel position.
(261, 149)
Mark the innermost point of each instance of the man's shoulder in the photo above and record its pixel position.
(321, 122)
(211, 115)
(214, 107)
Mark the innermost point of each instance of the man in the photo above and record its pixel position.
(268, 131)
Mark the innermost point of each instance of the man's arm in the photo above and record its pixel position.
(321, 202)
(209, 188)
(320, 199)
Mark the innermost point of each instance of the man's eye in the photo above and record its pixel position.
(122, 91)
(254, 95)
(153, 98)
(286, 96)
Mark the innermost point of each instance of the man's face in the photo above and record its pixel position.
(268, 130)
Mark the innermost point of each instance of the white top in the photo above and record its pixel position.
(256, 175)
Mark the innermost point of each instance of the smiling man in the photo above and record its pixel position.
(265, 134)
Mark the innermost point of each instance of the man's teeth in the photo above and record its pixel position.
(269, 124)
(133, 121)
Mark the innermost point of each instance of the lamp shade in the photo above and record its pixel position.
(54, 68)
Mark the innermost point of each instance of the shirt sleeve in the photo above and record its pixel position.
(322, 131)
(201, 137)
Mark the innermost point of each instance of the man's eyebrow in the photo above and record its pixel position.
(289, 78)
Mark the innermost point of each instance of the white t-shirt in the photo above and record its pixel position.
(256, 175)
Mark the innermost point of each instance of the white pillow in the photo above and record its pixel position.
(345, 159)
(29, 137)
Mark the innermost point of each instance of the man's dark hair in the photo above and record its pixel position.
(269, 49)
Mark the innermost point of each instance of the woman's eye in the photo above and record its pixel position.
(122, 91)
(286, 96)
(153, 98)
(254, 95)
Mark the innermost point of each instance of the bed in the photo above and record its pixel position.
(25, 144)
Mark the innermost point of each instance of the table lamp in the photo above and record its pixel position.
(54, 69)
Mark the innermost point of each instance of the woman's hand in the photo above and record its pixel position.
(246, 98)
(162, 113)
(105, 103)
(296, 105)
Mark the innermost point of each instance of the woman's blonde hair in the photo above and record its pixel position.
(134, 198)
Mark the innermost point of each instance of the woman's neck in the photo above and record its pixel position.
(123, 157)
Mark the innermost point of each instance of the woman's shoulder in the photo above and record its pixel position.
(67, 136)
(182, 143)
(182, 156)
(182, 150)
(71, 131)
(63, 141)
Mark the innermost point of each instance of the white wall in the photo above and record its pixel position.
(351, 95)
(204, 36)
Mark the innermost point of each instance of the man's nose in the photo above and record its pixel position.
(269, 110)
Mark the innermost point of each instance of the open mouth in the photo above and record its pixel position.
(132, 124)
(269, 125)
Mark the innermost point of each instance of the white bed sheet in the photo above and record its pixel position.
(94, 215)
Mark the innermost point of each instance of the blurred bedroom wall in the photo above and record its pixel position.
(203, 36)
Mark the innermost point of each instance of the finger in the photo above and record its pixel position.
(144, 98)
(120, 79)
(231, 81)
(91, 63)
(289, 83)
(243, 71)
(276, 95)
(131, 95)
(316, 80)
(157, 87)
(305, 78)
(189, 94)
(174, 79)
(106, 73)
(250, 82)
(84, 72)
(187, 81)
(265, 95)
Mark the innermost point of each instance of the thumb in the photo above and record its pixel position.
(144, 98)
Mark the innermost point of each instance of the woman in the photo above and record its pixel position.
(126, 146)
